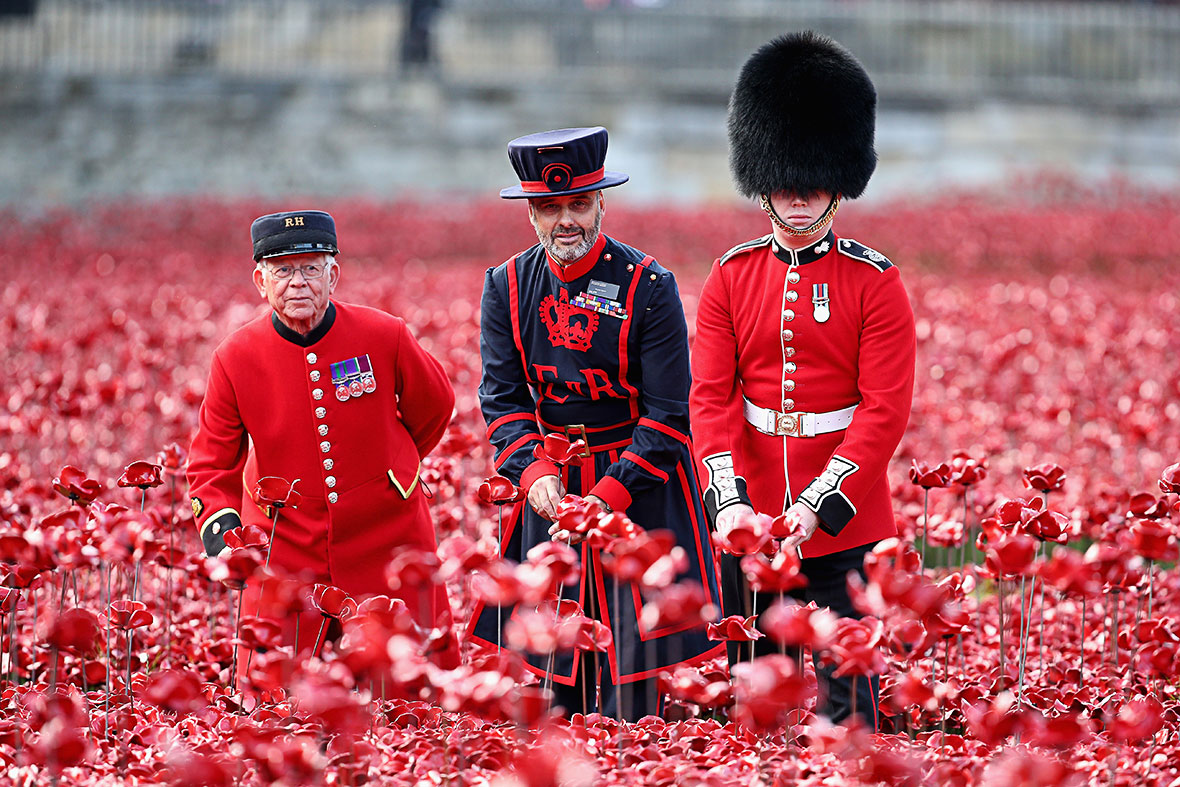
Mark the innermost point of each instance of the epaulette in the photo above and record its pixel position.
(859, 251)
(749, 245)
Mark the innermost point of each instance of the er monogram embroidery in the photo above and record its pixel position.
(568, 325)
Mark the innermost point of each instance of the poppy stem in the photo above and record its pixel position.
(1150, 584)
(142, 498)
(130, 693)
(295, 647)
(316, 645)
(500, 546)
(233, 674)
(615, 619)
(1003, 673)
(270, 544)
(552, 665)
(925, 521)
(753, 611)
(1082, 646)
(106, 570)
(1022, 652)
(1114, 630)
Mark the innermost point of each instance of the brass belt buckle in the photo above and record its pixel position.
(788, 424)
(580, 430)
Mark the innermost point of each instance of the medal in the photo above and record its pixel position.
(819, 302)
(353, 377)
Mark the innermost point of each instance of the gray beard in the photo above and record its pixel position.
(569, 254)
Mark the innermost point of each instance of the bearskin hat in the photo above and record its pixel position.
(801, 119)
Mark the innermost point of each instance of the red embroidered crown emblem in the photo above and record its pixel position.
(565, 329)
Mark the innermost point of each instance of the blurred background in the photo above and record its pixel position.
(277, 99)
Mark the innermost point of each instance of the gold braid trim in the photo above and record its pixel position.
(819, 223)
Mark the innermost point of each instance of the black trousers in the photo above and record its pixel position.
(826, 586)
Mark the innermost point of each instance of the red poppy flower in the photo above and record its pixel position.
(498, 490)
(1066, 571)
(930, 476)
(1170, 480)
(172, 457)
(767, 689)
(610, 527)
(559, 560)
(10, 599)
(630, 560)
(144, 475)
(734, 628)
(410, 568)
(176, 690)
(539, 631)
(1114, 567)
(690, 684)
(249, 536)
(1141, 503)
(1137, 720)
(677, 605)
(73, 483)
(856, 647)
(1154, 540)
(237, 568)
(575, 519)
(1011, 555)
(1045, 477)
(558, 449)
(593, 636)
(76, 631)
(779, 575)
(125, 614)
(276, 492)
(332, 602)
(497, 584)
(260, 634)
(1049, 526)
(790, 623)
(748, 535)
(967, 471)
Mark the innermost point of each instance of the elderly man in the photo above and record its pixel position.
(585, 336)
(803, 367)
(337, 398)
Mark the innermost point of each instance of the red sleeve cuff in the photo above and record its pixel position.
(614, 493)
(534, 471)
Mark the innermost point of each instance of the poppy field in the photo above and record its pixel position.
(1026, 624)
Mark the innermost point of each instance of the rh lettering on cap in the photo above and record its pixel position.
(293, 221)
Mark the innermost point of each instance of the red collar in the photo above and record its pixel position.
(574, 270)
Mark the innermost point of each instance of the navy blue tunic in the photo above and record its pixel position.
(599, 349)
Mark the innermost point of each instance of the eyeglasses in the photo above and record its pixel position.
(312, 271)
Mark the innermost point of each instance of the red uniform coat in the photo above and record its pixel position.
(356, 454)
(762, 332)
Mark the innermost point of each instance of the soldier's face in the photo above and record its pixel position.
(299, 301)
(800, 211)
(567, 226)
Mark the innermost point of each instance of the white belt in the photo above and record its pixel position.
(772, 422)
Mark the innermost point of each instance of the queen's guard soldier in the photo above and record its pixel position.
(337, 397)
(585, 336)
(803, 365)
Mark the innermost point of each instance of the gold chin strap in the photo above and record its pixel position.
(819, 223)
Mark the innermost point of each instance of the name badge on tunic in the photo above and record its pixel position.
(819, 302)
(353, 377)
(601, 297)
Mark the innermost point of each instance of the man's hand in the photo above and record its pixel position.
(804, 522)
(726, 517)
(544, 495)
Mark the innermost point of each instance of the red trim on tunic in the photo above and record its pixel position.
(613, 492)
(678, 436)
(568, 271)
(623, 334)
(514, 313)
(646, 465)
(589, 429)
(494, 425)
(511, 449)
(538, 468)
